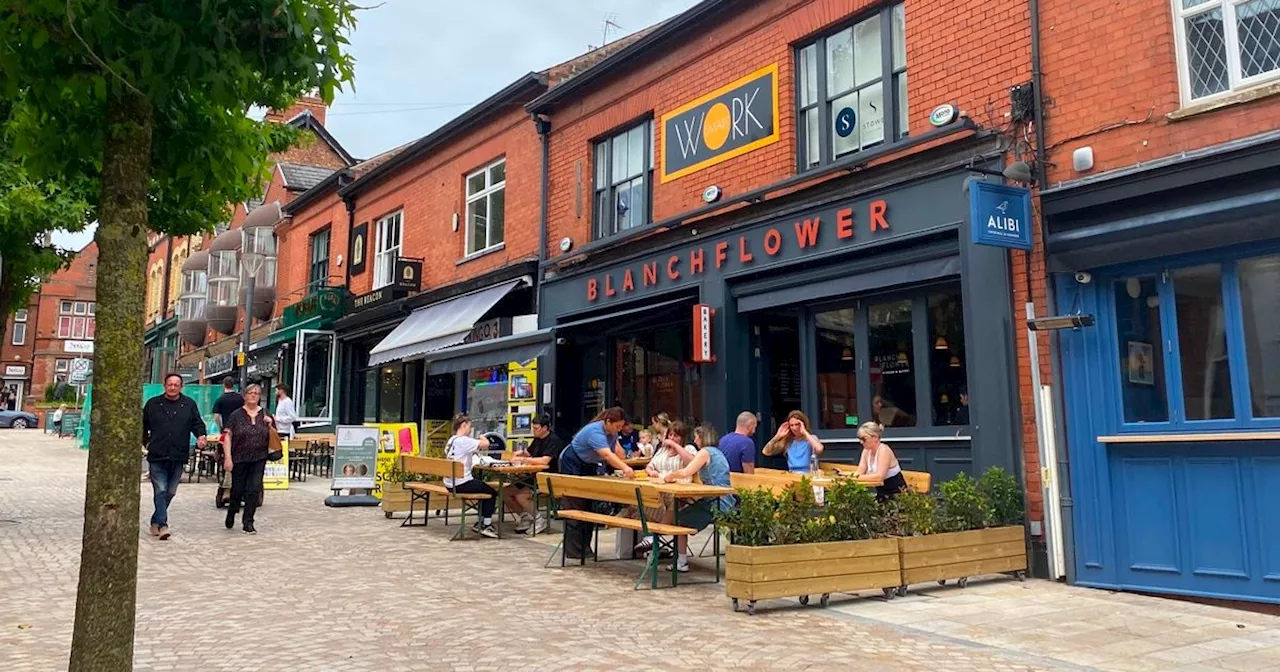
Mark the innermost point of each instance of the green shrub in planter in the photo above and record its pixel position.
(1003, 495)
(960, 506)
(853, 512)
(751, 522)
(910, 514)
(795, 508)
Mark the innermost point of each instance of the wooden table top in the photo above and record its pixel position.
(687, 490)
(513, 468)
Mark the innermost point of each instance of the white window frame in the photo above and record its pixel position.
(61, 365)
(605, 184)
(299, 373)
(486, 194)
(82, 308)
(385, 254)
(65, 308)
(1235, 82)
(20, 315)
(19, 333)
(67, 320)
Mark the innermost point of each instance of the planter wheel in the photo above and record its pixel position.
(1021, 575)
(387, 515)
(942, 582)
(826, 599)
(963, 582)
(889, 593)
(751, 608)
(902, 591)
(735, 605)
(804, 599)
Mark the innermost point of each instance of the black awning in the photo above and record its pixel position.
(517, 348)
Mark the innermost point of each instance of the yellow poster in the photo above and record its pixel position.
(399, 437)
(276, 475)
(386, 463)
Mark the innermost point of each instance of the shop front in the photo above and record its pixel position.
(1172, 397)
(860, 306)
(17, 384)
(161, 343)
(303, 354)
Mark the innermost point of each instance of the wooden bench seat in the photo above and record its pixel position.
(627, 523)
(422, 491)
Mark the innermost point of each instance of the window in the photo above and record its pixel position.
(319, 274)
(1226, 45)
(64, 308)
(19, 333)
(1198, 345)
(899, 361)
(61, 365)
(388, 250)
(853, 88)
(64, 327)
(486, 201)
(624, 171)
(314, 384)
(82, 308)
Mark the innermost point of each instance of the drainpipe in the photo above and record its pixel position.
(351, 231)
(543, 124)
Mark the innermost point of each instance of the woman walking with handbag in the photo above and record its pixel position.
(251, 441)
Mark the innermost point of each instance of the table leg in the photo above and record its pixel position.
(502, 502)
(675, 561)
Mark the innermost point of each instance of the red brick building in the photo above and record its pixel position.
(1159, 212)
(62, 324)
(17, 355)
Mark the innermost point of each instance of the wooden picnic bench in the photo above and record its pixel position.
(625, 492)
(422, 491)
(919, 481)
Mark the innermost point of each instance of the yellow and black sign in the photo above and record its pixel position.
(725, 123)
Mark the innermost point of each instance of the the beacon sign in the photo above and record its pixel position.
(725, 123)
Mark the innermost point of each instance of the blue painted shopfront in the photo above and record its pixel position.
(1172, 407)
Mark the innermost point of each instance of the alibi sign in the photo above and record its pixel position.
(1000, 215)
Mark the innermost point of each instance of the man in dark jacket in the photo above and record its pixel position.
(227, 403)
(168, 422)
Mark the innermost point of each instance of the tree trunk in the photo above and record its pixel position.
(107, 596)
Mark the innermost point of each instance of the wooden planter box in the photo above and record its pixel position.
(959, 555)
(800, 570)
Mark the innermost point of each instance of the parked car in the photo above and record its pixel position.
(18, 420)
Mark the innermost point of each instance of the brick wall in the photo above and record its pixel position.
(943, 41)
(75, 283)
(431, 189)
(24, 354)
(294, 253)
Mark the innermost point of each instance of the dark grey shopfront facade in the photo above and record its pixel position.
(859, 303)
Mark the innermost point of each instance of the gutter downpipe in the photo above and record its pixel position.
(1060, 472)
(543, 125)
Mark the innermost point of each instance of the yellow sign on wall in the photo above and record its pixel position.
(735, 119)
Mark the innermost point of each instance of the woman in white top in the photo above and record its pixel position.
(878, 463)
(462, 448)
(672, 454)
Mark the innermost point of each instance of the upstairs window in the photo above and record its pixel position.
(388, 250)
(1226, 45)
(624, 173)
(318, 276)
(853, 88)
(486, 207)
(19, 327)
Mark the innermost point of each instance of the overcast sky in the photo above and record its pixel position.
(419, 63)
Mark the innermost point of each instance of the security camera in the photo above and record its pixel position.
(1084, 277)
(561, 341)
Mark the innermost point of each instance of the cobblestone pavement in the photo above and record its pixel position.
(345, 589)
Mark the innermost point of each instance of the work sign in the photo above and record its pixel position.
(725, 123)
(1000, 215)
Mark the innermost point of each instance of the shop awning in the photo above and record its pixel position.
(290, 332)
(517, 348)
(438, 325)
(760, 298)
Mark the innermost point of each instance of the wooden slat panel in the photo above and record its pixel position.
(834, 550)
(936, 542)
(920, 481)
(628, 523)
(950, 556)
(771, 482)
(961, 569)
(617, 491)
(812, 568)
(431, 466)
(827, 584)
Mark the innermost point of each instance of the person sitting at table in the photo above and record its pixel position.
(463, 448)
(543, 451)
(795, 440)
(627, 439)
(712, 468)
(672, 453)
(878, 464)
(645, 446)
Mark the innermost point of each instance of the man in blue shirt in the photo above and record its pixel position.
(739, 448)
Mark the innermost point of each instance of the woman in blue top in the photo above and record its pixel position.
(592, 446)
(794, 439)
(712, 469)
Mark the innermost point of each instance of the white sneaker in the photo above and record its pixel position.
(488, 531)
(540, 525)
(525, 522)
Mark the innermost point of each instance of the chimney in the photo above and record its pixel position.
(311, 104)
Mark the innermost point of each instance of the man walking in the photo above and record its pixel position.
(168, 422)
(739, 448)
(286, 414)
(227, 403)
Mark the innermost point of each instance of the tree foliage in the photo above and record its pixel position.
(148, 100)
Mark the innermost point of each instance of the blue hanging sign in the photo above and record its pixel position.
(1000, 215)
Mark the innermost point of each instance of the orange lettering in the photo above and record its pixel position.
(772, 242)
(807, 233)
(628, 283)
(650, 274)
(878, 208)
(722, 253)
(696, 261)
(591, 289)
(671, 267)
(844, 223)
(743, 255)
(608, 286)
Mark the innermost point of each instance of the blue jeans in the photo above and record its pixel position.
(164, 483)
